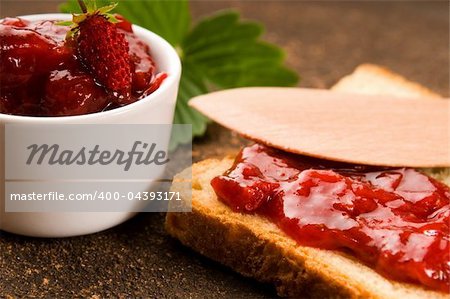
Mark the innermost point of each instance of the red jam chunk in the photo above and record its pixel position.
(40, 74)
(394, 220)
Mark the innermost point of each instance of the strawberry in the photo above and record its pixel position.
(22, 52)
(72, 92)
(103, 50)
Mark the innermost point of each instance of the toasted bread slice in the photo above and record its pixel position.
(255, 247)
(376, 80)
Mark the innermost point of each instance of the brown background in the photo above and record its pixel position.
(324, 41)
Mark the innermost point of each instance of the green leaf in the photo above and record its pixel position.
(230, 53)
(64, 23)
(108, 8)
(111, 18)
(192, 84)
(91, 5)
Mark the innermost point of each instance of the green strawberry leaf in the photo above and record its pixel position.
(107, 8)
(230, 53)
(112, 18)
(220, 51)
(64, 23)
(192, 84)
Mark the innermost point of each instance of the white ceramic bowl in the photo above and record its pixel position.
(157, 108)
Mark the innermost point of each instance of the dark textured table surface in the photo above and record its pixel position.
(324, 41)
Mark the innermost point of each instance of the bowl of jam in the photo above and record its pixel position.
(44, 81)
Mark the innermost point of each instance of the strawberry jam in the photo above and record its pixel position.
(394, 220)
(41, 75)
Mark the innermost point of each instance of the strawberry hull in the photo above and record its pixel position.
(42, 75)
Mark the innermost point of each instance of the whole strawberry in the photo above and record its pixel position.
(103, 50)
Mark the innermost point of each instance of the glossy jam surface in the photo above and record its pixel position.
(40, 74)
(394, 220)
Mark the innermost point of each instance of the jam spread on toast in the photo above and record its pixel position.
(393, 220)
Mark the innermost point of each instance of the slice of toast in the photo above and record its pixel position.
(255, 247)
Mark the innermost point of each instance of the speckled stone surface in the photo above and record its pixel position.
(324, 41)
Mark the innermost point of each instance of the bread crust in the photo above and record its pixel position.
(373, 79)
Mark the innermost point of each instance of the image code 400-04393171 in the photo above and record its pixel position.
(97, 195)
